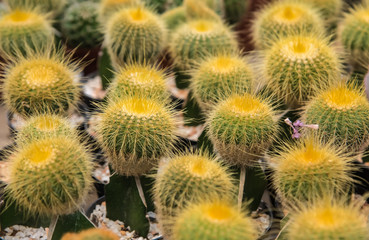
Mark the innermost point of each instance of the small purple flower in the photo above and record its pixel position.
(297, 125)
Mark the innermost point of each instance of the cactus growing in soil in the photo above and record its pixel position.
(213, 219)
(91, 234)
(310, 168)
(109, 7)
(51, 176)
(328, 219)
(80, 24)
(139, 79)
(42, 82)
(135, 132)
(219, 76)
(342, 113)
(21, 29)
(197, 38)
(281, 18)
(242, 127)
(188, 178)
(297, 66)
(135, 33)
(54, 6)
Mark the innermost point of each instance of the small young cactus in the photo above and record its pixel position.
(219, 76)
(47, 6)
(49, 177)
(135, 33)
(109, 7)
(281, 18)
(91, 234)
(310, 168)
(297, 66)
(197, 38)
(139, 79)
(42, 82)
(42, 126)
(328, 219)
(242, 127)
(21, 29)
(342, 113)
(186, 179)
(135, 132)
(213, 219)
(80, 25)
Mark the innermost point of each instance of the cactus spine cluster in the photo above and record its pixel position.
(186, 179)
(135, 132)
(310, 168)
(281, 18)
(214, 219)
(21, 29)
(54, 6)
(242, 127)
(342, 113)
(42, 82)
(50, 176)
(80, 24)
(135, 33)
(298, 65)
(219, 76)
(91, 234)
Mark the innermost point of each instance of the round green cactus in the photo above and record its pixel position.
(40, 83)
(49, 177)
(328, 219)
(174, 17)
(47, 6)
(214, 219)
(80, 25)
(135, 33)
(281, 18)
(309, 169)
(135, 132)
(91, 234)
(139, 79)
(186, 179)
(197, 38)
(297, 66)
(242, 127)
(24, 29)
(42, 126)
(219, 76)
(342, 113)
(109, 7)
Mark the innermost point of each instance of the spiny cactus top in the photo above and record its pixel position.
(282, 18)
(51, 176)
(297, 66)
(42, 82)
(213, 219)
(109, 7)
(242, 127)
(53, 6)
(328, 219)
(135, 132)
(342, 113)
(91, 234)
(219, 76)
(22, 29)
(135, 33)
(195, 39)
(310, 168)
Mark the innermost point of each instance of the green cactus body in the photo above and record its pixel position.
(330, 9)
(242, 127)
(109, 7)
(328, 220)
(197, 38)
(80, 25)
(135, 33)
(282, 18)
(235, 9)
(187, 179)
(139, 79)
(22, 29)
(213, 219)
(174, 17)
(342, 113)
(44, 125)
(51, 176)
(41, 83)
(297, 66)
(91, 234)
(47, 6)
(135, 132)
(219, 76)
(310, 168)
(200, 10)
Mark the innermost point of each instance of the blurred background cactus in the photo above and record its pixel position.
(48, 6)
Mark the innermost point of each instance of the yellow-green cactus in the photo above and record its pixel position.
(109, 7)
(47, 6)
(91, 234)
